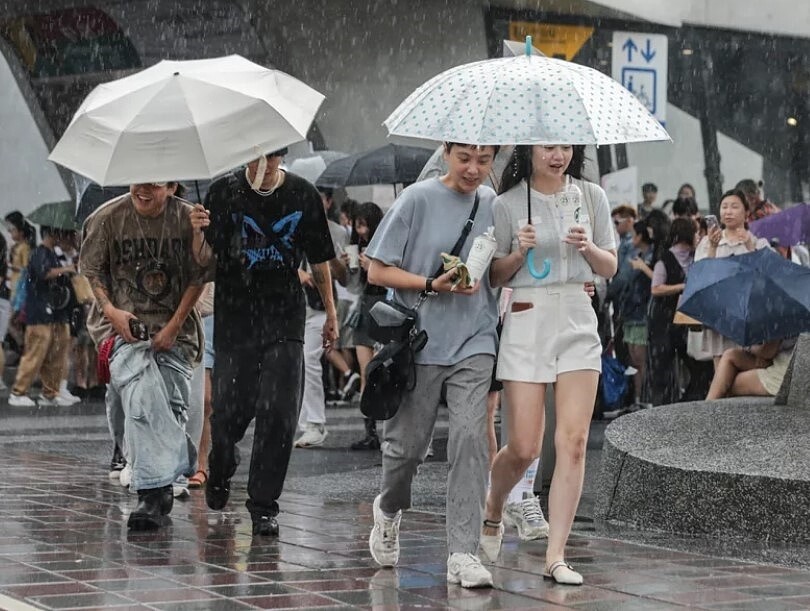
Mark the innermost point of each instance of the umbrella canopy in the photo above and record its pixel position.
(790, 227)
(312, 167)
(59, 215)
(390, 164)
(751, 298)
(524, 100)
(185, 120)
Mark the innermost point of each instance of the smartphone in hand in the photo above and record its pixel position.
(138, 329)
(711, 221)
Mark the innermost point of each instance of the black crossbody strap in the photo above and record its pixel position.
(465, 232)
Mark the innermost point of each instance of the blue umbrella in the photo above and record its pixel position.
(751, 298)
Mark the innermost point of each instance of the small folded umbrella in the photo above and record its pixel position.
(751, 298)
(59, 215)
(790, 227)
(390, 164)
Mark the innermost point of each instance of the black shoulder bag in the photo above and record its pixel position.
(392, 371)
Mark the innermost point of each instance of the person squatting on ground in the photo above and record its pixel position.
(458, 358)
(47, 331)
(137, 256)
(263, 221)
(550, 330)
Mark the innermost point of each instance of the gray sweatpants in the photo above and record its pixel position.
(406, 438)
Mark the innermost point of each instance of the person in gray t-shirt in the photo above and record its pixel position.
(425, 221)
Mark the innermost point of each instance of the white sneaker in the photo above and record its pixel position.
(57, 401)
(384, 539)
(66, 394)
(527, 517)
(490, 545)
(313, 435)
(467, 570)
(3, 386)
(21, 401)
(351, 386)
(125, 478)
(180, 488)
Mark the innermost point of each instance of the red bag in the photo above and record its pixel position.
(103, 362)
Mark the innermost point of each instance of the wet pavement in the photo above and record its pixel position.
(64, 543)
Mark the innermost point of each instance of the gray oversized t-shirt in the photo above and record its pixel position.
(551, 223)
(425, 221)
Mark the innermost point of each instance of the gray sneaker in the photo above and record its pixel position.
(527, 517)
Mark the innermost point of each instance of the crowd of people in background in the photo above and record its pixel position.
(668, 360)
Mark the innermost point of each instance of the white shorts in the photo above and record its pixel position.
(547, 331)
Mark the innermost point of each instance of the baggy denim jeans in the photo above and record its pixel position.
(147, 403)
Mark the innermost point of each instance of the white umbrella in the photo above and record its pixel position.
(313, 166)
(524, 100)
(185, 120)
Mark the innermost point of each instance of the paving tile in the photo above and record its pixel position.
(221, 604)
(65, 543)
(89, 599)
(290, 601)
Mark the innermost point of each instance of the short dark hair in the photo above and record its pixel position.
(685, 206)
(739, 194)
(682, 231)
(649, 187)
(278, 153)
(448, 146)
(45, 231)
(640, 229)
(624, 211)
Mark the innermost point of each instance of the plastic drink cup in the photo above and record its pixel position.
(481, 253)
(353, 250)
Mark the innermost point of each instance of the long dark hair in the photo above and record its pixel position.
(369, 212)
(520, 165)
(27, 230)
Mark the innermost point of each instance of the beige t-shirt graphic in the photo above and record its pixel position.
(147, 264)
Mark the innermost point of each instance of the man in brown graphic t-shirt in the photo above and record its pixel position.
(137, 254)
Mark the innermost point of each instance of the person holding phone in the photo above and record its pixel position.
(732, 237)
(137, 254)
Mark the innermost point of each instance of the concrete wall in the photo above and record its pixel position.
(783, 17)
(366, 57)
(27, 178)
(670, 164)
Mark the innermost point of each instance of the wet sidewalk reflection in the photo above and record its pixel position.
(64, 545)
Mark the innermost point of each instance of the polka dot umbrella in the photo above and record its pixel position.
(524, 100)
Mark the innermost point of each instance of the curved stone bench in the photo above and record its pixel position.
(733, 468)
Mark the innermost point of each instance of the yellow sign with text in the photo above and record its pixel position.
(563, 41)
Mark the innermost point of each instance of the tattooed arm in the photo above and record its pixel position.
(119, 319)
(323, 282)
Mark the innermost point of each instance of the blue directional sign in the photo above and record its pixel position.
(640, 64)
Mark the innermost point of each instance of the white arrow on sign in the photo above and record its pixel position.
(640, 64)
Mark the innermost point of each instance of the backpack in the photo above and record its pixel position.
(389, 375)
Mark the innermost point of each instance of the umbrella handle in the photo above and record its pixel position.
(533, 271)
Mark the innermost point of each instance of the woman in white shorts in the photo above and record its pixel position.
(550, 330)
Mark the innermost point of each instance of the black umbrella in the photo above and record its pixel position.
(388, 165)
(92, 197)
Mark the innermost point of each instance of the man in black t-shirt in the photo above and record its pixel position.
(261, 222)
